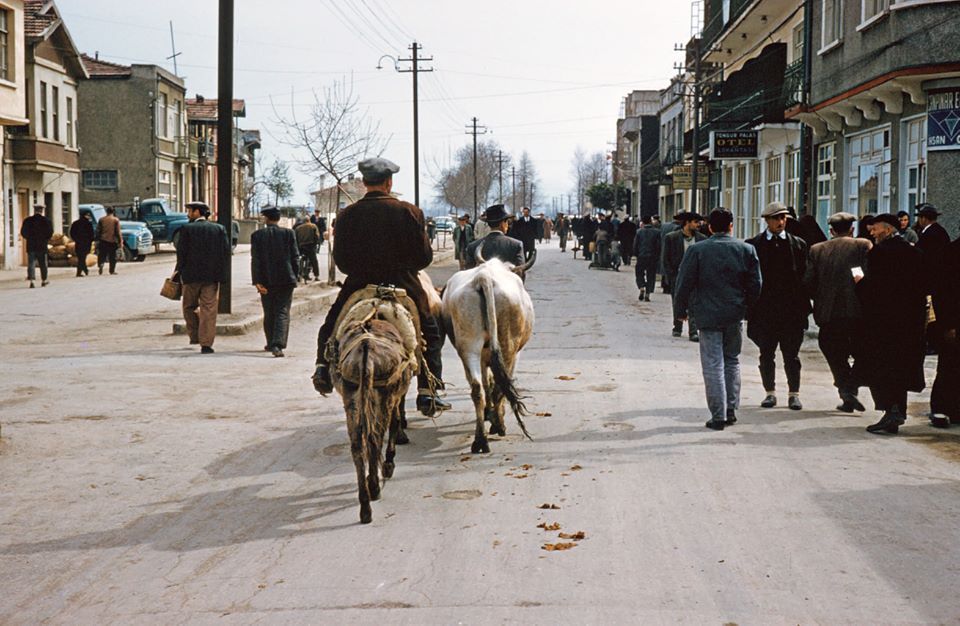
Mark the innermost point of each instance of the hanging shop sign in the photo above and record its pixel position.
(683, 176)
(943, 120)
(734, 144)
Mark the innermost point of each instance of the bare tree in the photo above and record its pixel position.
(454, 184)
(527, 181)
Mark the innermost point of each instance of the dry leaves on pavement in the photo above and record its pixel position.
(552, 507)
(577, 536)
(565, 377)
(576, 468)
(544, 414)
(546, 526)
(554, 547)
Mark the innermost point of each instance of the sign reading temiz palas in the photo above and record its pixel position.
(734, 144)
(943, 120)
(683, 176)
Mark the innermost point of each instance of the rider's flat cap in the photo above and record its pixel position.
(271, 213)
(377, 168)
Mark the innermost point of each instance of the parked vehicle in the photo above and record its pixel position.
(137, 238)
(164, 222)
(445, 223)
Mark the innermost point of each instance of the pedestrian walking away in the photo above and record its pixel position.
(202, 257)
(525, 230)
(945, 395)
(37, 230)
(462, 237)
(646, 247)
(829, 281)
(109, 240)
(548, 226)
(563, 230)
(382, 240)
(780, 315)
(496, 245)
(274, 261)
(893, 296)
(82, 233)
(675, 245)
(719, 280)
(308, 242)
(626, 233)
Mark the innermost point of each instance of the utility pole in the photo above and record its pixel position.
(513, 188)
(475, 130)
(173, 49)
(415, 60)
(225, 140)
(696, 123)
(500, 174)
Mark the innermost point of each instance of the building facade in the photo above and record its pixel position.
(637, 150)
(12, 114)
(133, 135)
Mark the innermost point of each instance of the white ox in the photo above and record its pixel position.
(488, 316)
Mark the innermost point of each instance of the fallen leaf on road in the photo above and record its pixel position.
(552, 507)
(428, 496)
(577, 536)
(544, 414)
(566, 377)
(553, 547)
(464, 458)
(575, 468)
(496, 542)
(521, 475)
(546, 526)
(525, 467)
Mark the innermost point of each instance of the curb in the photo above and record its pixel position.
(301, 307)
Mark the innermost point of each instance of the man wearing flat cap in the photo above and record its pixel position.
(893, 297)
(274, 264)
(203, 253)
(829, 281)
(779, 316)
(382, 240)
(496, 245)
(933, 240)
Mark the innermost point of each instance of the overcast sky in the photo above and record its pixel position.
(544, 76)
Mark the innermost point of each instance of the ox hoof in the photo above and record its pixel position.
(374, 490)
(388, 470)
(402, 438)
(498, 429)
(366, 517)
(480, 447)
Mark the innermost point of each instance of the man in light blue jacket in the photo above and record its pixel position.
(719, 279)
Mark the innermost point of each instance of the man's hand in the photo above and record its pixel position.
(261, 289)
(950, 335)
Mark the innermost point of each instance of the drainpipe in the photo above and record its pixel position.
(807, 155)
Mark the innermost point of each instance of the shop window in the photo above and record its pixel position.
(868, 172)
(792, 192)
(756, 199)
(913, 172)
(826, 177)
(774, 179)
(740, 200)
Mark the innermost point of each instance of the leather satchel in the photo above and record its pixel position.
(172, 288)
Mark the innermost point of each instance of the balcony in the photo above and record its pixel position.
(750, 23)
(713, 24)
(41, 155)
(793, 85)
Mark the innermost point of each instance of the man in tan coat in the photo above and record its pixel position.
(109, 240)
(830, 282)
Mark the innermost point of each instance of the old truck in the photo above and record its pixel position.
(164, 223)
(137, 239)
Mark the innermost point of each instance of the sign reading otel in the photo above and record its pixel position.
(943, 120)
(734, 144)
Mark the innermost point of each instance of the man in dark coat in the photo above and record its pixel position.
(562, 226)
(836, 309)
(646, 247)
(525, 230)
(589, 231)
(933, 240)
(37, 230)
(203, 253)
(308, 243)
(496, 245)
(81, 231)
(381, 240)
(779, 316)
(462, 238)
(274, 261)
(945, 395)
(674, 246)
(893, 297)
(626, 233)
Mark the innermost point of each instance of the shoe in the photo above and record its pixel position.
(100, 269)
(731, 417)
(277, 352)
(888, 424)
(321, 379)
(641, 296)
(646, 297)
(316, 279)
(939, 420)
(268, 348)
(695, 338)
(32, 286)
(677, 333)
(206, 350)
(44, 283)
(769, 402)
(794, 403)
(715, 424)
(431, 405)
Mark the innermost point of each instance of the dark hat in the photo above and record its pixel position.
(465, 216)
(842, 216)
(496, 213)
(271, 213)
(39, 208)
(887, 218)
(199, 206)
(377, 169)
(928, 210)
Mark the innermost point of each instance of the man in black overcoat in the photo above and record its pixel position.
(893, 296)
(203, 253)
(945, 395)
(82, 233)
(36, 231)
(274, 262)
(525, 230)
(496, 245)
(626, 232)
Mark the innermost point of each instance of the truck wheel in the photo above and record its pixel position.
(140, 258)
(127, 255)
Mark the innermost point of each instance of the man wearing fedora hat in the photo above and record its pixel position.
(462, 237)
(893, 296)
(381, 240)
(496, 245)
(779, 316)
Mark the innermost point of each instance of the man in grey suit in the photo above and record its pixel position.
(496, 245)
(719, 279)
(830, 282)
(675, 244)
(274, 262)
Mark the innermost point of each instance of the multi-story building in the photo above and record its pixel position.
(638, 133)
(45, 155)
(133, 134)
(672, 199)
(753, 67)
(884, 106)
(12, 114)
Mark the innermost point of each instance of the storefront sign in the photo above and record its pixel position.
(734, 144)
(943, 120)
(683, 176)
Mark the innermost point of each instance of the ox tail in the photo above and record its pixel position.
(501, 379)
(367, 405)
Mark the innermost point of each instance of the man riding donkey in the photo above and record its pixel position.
(381, 240)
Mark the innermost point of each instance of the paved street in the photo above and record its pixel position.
(146, 484)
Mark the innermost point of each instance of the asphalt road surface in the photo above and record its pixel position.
(146, 484)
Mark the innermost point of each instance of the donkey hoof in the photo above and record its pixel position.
(498, 429)
(366, 515)
(480, 447)
(402, 438)
(388, 470)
